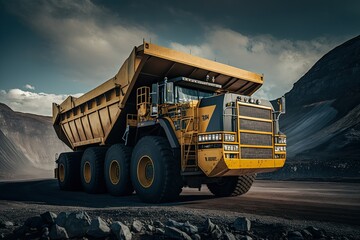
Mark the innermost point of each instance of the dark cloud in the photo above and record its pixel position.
(295, 20)
(63, 47)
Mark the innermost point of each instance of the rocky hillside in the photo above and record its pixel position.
(28, 144)
(323, 117)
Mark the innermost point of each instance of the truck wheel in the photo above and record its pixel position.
(68, 171)
(232, 186)
(155, 172)
(92, 170)
(117, 170)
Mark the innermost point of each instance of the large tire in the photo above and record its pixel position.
(232, 186)
(92, 170)
(155, 171)
(68, 171)
(117, 170)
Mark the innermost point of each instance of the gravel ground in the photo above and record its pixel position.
(262, 227)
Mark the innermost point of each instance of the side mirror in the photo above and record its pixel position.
(281, 103)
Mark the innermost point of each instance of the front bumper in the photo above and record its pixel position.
(214, 164)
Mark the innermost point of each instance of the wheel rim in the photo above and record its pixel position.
(114, 172)
(87, 172)
(145, 171)
(61, 172)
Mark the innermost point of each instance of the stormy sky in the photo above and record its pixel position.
(50, 49)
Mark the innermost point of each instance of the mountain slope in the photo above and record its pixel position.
(27, 140)
(322, 122)
(11, 158)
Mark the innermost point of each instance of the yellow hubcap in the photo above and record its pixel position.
(87, 172)
(145, 171)
(114, 172)
(61, 172)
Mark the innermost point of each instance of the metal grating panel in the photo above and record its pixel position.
(255, 139)
(256, 153)
(247, 124)
(255, 112)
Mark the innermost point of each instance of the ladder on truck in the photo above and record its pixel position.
(189, 146)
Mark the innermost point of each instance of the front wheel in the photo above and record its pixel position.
(155, 172)
(232, 186)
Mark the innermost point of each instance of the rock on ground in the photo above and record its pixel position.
(121, 231)
(77, 224)
(137, 226)
(174, 233)
(61, 219)
(242, 224)
(48, 217)
(98, 228)
(57, 232)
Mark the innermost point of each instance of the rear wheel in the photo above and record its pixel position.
(68, 171)
(117, 170)
(232, 186)
(92, 170)
(155, 172)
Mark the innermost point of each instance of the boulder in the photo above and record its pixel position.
(6, 224)
(174, 233)
(159, 224)
(61, 219)
(21, 231)
(294, 235)
(306, 234)
(315, 232)
(185, 227)
(34, 222)
(48, 217)
(242, 224)
(57, 232)
(150, 228)
(208, 226)
(189, 228)
(173, 223)
(246, 238)
(137, 226)
(159, 231)
(45, 233)
(121, 231)
(98, 228)
(228, 236)
(216, 233)
(77, 224)
(196, 237)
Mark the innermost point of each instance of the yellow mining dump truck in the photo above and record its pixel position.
(167, 120)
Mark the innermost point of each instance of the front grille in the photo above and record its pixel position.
(254, 153)
(246, 124)
(255, 112)
(255, 139)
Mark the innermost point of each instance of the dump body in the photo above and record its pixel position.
(100, 116)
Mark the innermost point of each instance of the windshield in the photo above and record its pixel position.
(187, 94)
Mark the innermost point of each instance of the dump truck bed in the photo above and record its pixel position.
(99, 116)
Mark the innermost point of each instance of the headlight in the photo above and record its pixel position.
(280, 140)
(229, 137)
(210, 137)
(280, 149)
(233, 148)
